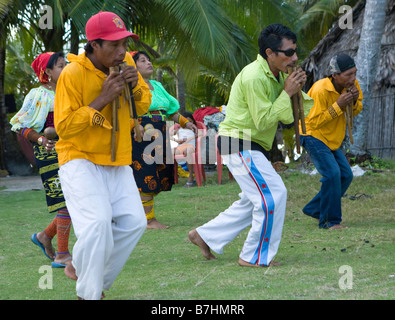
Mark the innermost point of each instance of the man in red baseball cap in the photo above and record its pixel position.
(102, 197)
(104, 31)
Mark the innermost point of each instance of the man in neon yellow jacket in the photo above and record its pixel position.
(259, 99)
(101, 194)
(325, 132)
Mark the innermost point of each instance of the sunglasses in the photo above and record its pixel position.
(289, 52)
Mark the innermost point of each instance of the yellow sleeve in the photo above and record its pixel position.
(72, 117)
(324, 109)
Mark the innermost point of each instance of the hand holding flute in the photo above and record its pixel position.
(112, 88)
(293, 86)
(347, 103)
(114, 119)
(130, 99)
(128, 77)
(111, 91)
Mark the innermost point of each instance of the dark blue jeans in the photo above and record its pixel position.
(336, 178)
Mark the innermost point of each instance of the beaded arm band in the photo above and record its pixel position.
(31, 135)
(182, 121)
(26, 131)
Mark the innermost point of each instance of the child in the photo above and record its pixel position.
(186, 140)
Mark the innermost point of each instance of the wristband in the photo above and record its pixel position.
(25, 132)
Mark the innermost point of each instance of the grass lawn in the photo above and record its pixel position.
(355, 263)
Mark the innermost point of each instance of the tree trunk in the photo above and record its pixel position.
(3, 111)
(12, 159)
(367, 60)
(159, 72)
(180, 90)
(74, 39)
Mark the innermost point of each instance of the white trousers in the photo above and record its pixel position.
(108, 220)
(262, 205)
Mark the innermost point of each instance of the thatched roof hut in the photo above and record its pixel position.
(381, 134)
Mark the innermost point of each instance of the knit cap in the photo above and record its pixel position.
(341, 63)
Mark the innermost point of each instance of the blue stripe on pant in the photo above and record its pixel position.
(268, 206)
(262, 206)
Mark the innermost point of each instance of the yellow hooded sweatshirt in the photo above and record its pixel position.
(326, 121)
(85, 133)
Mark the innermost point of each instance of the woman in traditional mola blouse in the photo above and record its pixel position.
(30, 121)
(154, 172)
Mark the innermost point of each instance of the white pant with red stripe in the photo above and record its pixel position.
(108, 220)
(262, 205)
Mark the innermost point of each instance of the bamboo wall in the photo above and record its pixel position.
(381, 130)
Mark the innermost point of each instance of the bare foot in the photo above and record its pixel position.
(195, 238)
(337, 226)
(46, 242)
(247, 264)
(69, 271)
(154, 224)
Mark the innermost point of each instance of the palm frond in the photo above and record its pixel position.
(204, 33)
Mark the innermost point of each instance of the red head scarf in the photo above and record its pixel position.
(40, 64)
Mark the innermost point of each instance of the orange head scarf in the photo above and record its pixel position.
(40, 64)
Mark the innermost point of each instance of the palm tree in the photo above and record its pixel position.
(196, 35)
(368, 57)
(315, 19)
(208, 42)
(8, 14)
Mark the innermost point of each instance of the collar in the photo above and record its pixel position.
(328, 85)
(83, 60)
(265, 66)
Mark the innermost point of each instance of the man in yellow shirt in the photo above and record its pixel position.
(101, 194)
(325, 132)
